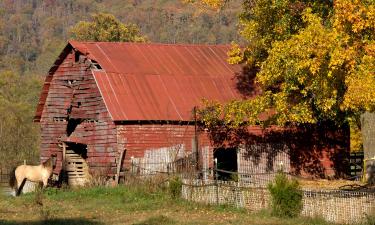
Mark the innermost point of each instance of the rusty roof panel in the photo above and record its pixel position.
(145, 81)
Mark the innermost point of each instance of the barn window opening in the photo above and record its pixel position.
(226, 163)
(91, 121)
(59, 119)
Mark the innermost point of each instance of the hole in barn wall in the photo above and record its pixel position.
(72, 125)
(95, 65)
(70, 82)
(76, 56)
(80, 149)
(226, 160)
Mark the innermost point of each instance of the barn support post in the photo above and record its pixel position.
(195, 141)
(63, 155)
(216, 183)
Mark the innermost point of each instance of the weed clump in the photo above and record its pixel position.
(175, 187)
(286, 196)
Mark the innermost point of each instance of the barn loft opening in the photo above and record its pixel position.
(226, 161)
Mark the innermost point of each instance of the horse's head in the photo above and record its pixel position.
(51, 162)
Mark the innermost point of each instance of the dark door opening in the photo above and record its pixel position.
(226, 160)
(75, 166)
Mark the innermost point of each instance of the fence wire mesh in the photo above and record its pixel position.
(339, 206)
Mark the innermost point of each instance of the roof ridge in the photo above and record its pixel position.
(73, 42)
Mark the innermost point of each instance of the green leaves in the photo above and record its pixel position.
(19, 136)
(286, 196)
(105, 27)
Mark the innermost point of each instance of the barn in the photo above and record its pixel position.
(107, 107)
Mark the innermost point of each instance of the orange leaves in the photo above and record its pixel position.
(354, 15)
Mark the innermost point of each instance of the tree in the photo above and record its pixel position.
(19, 136)
(105, 27)
(314, 61)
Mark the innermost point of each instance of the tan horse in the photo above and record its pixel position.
(40, 173)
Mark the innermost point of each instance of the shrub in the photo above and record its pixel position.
(286, 196)
(175, 187)
(369, 220)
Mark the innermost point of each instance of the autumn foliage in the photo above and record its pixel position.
(315, 61)
(105, 27)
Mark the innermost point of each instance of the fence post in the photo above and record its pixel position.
(216, 183)
(132, 164)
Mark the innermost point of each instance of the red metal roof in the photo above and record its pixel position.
(146, 81)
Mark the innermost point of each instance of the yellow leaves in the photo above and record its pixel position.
(105, 27)
(214, 4)
(291, 113)
(211, 114)
(234, 113)
(321, 70)
(356, 141)
(360, 94)
(235, 54)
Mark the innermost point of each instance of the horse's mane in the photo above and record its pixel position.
(49, 163)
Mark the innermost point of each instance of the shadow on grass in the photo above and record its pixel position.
(77, 221)
(157, 220)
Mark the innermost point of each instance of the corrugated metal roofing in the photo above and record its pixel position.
(146, 81)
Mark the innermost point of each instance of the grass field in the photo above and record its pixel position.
(125, 205)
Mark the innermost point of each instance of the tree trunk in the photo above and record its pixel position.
(368, 134)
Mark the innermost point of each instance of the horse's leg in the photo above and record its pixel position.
(45, 182)
(20, 183)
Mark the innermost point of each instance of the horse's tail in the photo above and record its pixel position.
(12, 179)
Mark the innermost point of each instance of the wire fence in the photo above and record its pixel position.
(4, 177)
(351, 204)
(337, 206)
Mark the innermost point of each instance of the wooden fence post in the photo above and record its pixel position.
(216, 183)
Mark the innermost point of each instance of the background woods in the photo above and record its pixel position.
(33, 32)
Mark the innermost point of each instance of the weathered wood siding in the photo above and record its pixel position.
(73, 94)
(156, 143)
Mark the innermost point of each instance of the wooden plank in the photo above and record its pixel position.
(119, 164)
(63, 155)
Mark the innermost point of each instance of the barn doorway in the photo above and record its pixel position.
(75, 166)
(226, 161)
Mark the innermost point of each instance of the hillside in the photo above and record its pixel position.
(32, 32)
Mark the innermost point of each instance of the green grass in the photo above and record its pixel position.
(126, 205)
